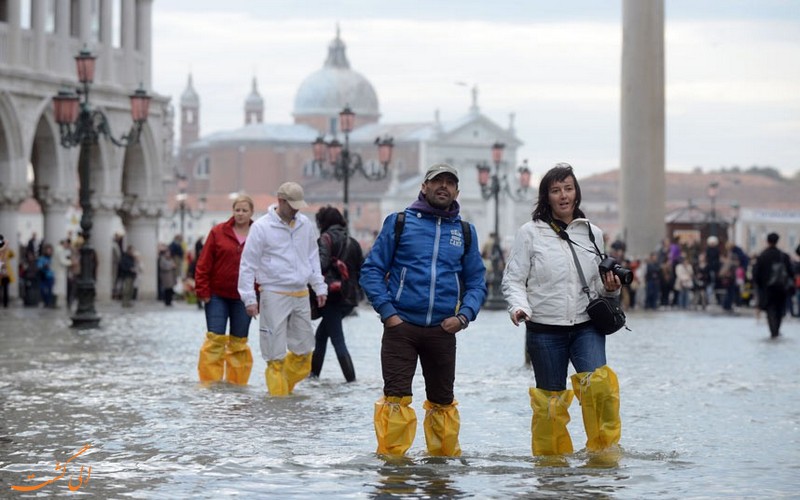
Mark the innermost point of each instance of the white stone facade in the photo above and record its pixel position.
(127, 183)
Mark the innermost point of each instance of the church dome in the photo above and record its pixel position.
(327, 91)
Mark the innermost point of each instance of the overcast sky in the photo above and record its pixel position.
(732, 69)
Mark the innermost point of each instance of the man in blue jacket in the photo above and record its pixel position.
(426, 279)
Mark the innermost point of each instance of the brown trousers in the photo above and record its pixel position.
(436, 349)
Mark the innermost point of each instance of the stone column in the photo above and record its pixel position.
(141, 230)
(38, 13)
(105, 50)
(145, 37)
(641, 187)
(14, 12)
(64, 53)
(128, 32)
(102, 239)
(85, 22)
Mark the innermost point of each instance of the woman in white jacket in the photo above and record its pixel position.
(542, 287)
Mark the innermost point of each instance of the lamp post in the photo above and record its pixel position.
(183, 210)
(334, 159)
(712, 190)
(81, 126)
(736, 208)
(491, 187)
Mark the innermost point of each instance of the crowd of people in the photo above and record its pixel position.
(697, 276)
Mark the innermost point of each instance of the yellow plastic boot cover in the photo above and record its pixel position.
(395, 425)
(211, 365)
(441, 424)
(296, 367)
(276, 380)
(598, 392)
(238, 360)
(549, 434)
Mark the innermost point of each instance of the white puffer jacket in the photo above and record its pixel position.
(540, 276)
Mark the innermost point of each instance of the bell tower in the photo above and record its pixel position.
(190, 115)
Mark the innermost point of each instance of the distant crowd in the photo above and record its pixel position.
(47, 275)
(695, 276)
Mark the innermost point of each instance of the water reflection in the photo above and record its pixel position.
(405, 479)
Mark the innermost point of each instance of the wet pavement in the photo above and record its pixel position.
(709, 405)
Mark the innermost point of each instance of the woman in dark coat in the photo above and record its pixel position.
(335, 244)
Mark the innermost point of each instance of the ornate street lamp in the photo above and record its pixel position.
(80, 125)
(335, 160)
(183, 210)
(736, 208)
(491, 187)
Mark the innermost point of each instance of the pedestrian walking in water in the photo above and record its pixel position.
(544, 289)
(216, 285)
(426, 279)
(281, 257)
(167, 275)
(336, 249)
(774, 277)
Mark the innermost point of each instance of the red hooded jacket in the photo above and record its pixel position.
(217, 269)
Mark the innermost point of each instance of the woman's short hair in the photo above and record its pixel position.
(329, 216)
(243, 198)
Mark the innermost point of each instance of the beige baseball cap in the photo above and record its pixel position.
(440, 168)
(292, 192)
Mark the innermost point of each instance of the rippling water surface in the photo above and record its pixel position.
(710, 408)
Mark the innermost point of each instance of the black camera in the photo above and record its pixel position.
(609, 264)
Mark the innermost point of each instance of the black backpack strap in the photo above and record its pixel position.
(400, 222)
(467, 232)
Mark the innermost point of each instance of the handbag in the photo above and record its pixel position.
(316, 313)
(606, 314)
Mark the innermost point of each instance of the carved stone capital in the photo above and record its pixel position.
(13, 197)
(55, 200)
(132, 206)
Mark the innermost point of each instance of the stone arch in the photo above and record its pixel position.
(13, 187)
(12, 171)
(54, 184)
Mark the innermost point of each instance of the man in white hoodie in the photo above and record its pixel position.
(281, 258)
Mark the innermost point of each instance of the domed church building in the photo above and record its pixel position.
(256, 158)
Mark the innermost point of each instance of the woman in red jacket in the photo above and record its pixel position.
(216, 279)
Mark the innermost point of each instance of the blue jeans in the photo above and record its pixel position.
(220, 309)
(551, 353)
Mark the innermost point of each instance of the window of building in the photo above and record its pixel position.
(202, 168)
(333, 123)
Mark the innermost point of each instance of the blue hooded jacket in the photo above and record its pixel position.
(422, 280)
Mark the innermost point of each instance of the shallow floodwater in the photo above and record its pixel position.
(710, 408)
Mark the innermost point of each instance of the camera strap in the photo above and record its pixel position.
(564, 236)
